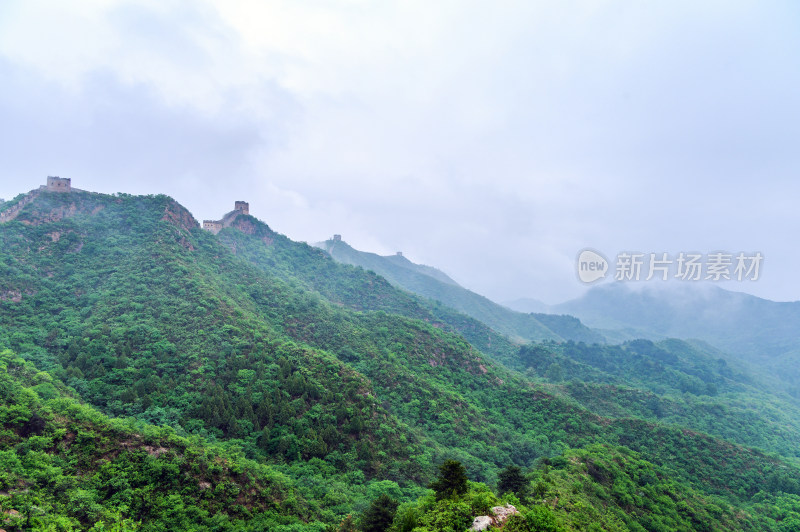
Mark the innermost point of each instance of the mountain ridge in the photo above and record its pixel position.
(517, 326)
(756, 330)
(327, 372)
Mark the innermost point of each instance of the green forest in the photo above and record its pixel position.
(155, 376)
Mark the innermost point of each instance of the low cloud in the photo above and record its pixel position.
(493, 143)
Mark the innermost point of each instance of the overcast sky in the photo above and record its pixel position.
(492, 139)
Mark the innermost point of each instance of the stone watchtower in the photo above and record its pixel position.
(337, 238)
(215, 226)
(212, 225)
(59, 184)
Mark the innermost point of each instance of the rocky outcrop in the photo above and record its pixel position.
(15, 296)
(500, 515)
(177, 215)
(251, 226)
(482, 522)
(12, 212)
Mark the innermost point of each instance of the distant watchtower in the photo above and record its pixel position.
(59, 184)
(337, 238)
(212, 225)
(399, 253)
(215, 226)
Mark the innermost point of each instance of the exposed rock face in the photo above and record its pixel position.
(502, 513)
(13, 211)
(177, 215)
(500, 516)
(482, 522)
(14, 296)
(245, 226)
(249, 227)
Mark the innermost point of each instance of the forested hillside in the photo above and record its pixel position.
(65, 464)
(431, 283)
(758, 331)
(294, 391)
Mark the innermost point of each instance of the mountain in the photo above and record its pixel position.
(74, 466)
(395, 266)
(301, 389)
(757, 330)
(433, 284)
(528, 305)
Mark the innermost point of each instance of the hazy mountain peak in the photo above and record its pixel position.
(431, 283)
(527, 305)
(345, 253)
(740, 323)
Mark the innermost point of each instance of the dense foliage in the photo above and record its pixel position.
(245, 380)
(671, 382)
(67, 466)
(433, 284)
(755, 330)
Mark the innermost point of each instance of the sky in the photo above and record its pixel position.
(494, 140)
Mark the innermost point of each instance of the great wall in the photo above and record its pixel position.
(54, 184)
(215, 226)
(64, 185)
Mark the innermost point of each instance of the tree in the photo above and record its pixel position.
(555, 373)
(380, 514)
(542, 519)
(452, 480)
(511, 479)
(348, 525)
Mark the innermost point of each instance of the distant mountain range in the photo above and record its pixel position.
(527, 305)
(751, 328)
(736, 322)
(435, 284)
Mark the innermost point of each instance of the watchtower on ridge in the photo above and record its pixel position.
(59, 184)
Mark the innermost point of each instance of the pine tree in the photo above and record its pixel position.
(348, 525)
(452, 480)
(380, 514)
(511, 479)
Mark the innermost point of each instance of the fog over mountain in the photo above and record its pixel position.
(494, 142)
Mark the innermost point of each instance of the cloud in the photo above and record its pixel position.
(494, 140)
(111, 136)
